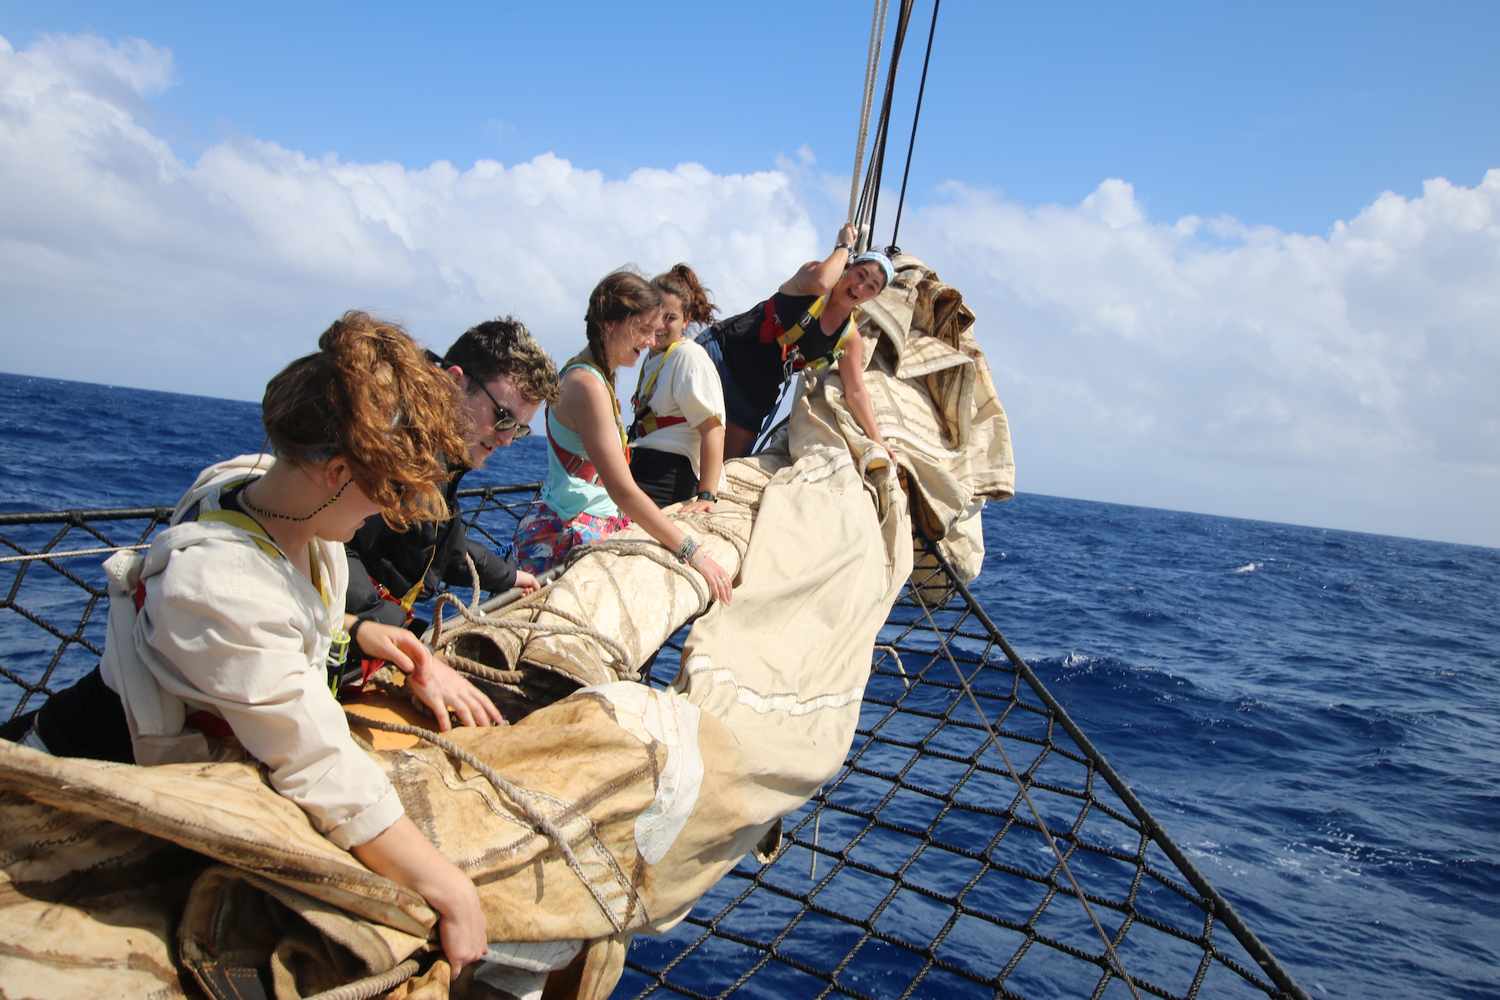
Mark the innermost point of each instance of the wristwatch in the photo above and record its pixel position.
(708, 495)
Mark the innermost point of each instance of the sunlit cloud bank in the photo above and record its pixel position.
(1269, 370)
(1345, 378)
(208, 275)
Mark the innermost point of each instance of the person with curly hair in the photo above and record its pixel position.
(589, 492)
(677, 435)
(224, 630)
(503, 376)
(807, 324)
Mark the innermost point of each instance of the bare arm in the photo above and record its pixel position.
(818, 277)
(586, 407)
(856, 393)
(710, 454)
(402, 854)
(710, 463)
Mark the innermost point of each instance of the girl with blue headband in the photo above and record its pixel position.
(807, 324)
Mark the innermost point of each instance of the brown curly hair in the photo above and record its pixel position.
(618, 296)
(681, 281)
(503, 346)
(371, 395)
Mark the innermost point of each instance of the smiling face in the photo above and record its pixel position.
(860, 283)
(481, 413)
(627, 339)
(672, 321)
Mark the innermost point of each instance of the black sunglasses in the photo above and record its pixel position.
(504, 419)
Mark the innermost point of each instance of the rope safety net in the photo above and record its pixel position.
(924, 865)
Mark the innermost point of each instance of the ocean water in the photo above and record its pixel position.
(1312, 714)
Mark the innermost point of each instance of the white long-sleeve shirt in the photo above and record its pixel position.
(229, 626)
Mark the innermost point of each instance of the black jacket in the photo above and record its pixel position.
(398, 559)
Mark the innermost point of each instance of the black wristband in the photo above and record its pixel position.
(708, 495)
(354, 630)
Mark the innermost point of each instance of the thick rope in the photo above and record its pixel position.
(483, 670)
(872, 62)
(870, 199)
(1117, 967)
(521, 799)
(542, 628)
(372, 986)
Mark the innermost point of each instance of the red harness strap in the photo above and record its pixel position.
(770, 326)
(574, 465)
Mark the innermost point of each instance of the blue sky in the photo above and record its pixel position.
(1289, 115)
(1235, 258)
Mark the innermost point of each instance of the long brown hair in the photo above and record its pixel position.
(681, 281)
(619, 296)
(370, 395)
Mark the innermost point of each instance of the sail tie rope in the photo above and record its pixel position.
(521, 799)
(650, 549)
(372, 986)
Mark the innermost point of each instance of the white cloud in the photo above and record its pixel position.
(1347, 378)
(1207, 358)
(207, 276)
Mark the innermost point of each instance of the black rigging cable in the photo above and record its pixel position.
(911, 143)
(869, 201)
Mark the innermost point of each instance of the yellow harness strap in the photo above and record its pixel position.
(643, 391)
(646, 420)
(249, 526)
(788, 339)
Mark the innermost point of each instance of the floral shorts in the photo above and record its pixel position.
(543, 538)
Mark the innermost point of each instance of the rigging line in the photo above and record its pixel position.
(882, 129)
(911, 143)
(1212, 900)
(872, 61)
(875, 165)
(72, 553)
(994, 737)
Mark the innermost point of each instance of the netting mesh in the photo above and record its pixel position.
(947, 856)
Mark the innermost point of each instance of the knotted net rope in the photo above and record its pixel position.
(934, 875)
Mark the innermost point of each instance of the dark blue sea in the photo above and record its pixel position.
(1314, 715)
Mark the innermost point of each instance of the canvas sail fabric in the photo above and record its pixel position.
(613, 607)
(598, 816)
(656, 794)
(935, 399)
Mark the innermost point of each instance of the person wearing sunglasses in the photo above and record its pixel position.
(503, 377)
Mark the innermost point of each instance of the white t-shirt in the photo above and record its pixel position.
(688, 386)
